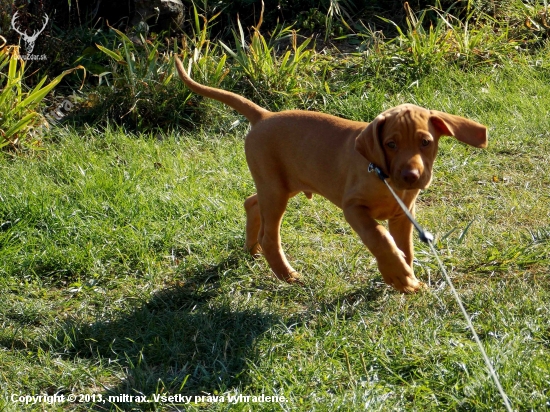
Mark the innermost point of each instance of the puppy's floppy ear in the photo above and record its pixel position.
(368, 143)
(465, 130)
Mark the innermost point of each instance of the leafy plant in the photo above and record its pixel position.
(423, 47)
(202, 53)
(450, 39)
(139, 89)
(19, 118)
(332, 23)
(337, 10)
(265, 68)
(141, 61)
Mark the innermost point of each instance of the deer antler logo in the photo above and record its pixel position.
(29, 40)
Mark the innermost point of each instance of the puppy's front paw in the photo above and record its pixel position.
(400, 276)
(411, 287)
(292, 277)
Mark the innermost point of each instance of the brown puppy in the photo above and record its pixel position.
(298, 151)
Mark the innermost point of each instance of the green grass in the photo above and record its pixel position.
(122, 269)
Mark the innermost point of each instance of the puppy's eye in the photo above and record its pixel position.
(426, 142)
(391, 145)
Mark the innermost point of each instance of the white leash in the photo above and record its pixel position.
(428, 238)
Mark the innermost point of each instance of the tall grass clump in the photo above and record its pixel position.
(138, 89)
(268, 71)
(424, 45)
(134, 90)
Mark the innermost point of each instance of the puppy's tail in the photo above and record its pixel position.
(248, 109)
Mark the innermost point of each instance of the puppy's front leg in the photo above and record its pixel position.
(401, 230)
(392, 262)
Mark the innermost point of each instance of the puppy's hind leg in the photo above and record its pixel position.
(272, 205)
(253, 222)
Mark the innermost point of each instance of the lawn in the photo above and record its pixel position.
(122, 270)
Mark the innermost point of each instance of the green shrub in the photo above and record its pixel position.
(20, 122)
(139, 89)
(270, 72)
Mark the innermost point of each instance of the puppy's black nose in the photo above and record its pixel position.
(410, 176)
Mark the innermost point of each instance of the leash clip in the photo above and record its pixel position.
(425, 236)
(373, 168)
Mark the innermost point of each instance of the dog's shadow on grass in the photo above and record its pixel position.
(187, 339)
